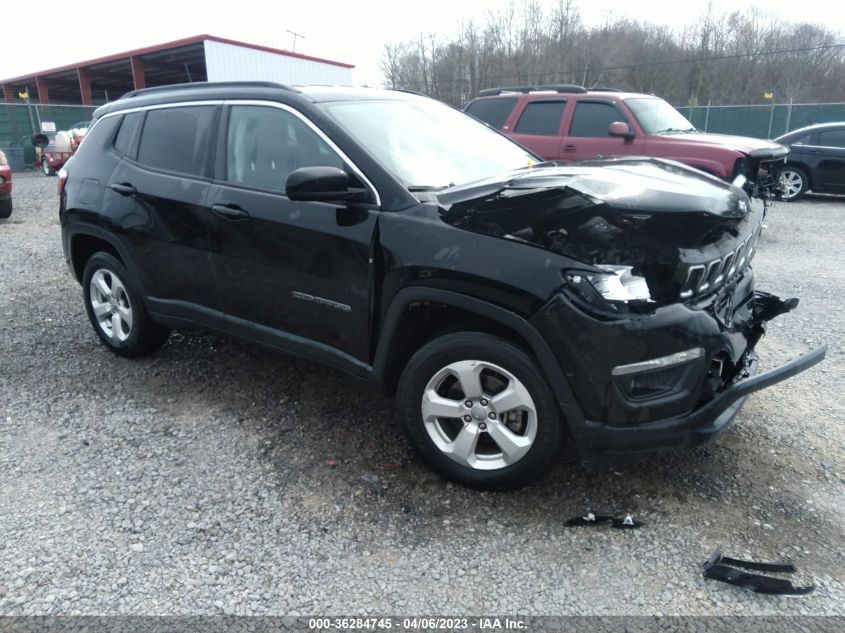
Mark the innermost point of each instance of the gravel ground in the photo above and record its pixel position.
(199, 480)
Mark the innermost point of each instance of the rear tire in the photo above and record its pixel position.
(115, 308)
(5, 208)
(46, 169)
(793, 182)
(478, 410)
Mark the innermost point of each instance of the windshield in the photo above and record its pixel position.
(655, 116)
(426, 144)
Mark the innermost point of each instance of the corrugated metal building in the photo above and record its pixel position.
(198, 58)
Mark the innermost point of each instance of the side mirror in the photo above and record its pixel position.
(620, 128)
(319, 184)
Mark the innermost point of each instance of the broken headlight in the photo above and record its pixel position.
(620, 284)
(616, 290)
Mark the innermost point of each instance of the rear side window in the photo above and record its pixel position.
(541, 117)
(128, 128)
(594, 119)
(494, 112)
(177, 139)
(832, 138)
(99, 136)
(266, 144)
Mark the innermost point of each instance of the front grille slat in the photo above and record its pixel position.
(702, 278)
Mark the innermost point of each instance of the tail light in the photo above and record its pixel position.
(62, 179)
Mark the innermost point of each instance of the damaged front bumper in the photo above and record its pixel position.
(696, 427)
(673, 378)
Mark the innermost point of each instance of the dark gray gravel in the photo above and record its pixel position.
(198, 480)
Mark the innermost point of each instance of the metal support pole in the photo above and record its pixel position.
(788, 115)
(707, 115)
(771, 118)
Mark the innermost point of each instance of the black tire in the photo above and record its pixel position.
(143, 336)
(436, 355)
(796, 175)
(46, 169)
(5, 208)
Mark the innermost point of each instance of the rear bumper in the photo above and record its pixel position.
(600, 442)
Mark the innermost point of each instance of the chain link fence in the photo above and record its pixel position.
(762, 121)
(19, 121)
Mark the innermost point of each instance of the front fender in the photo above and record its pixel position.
(542, 352)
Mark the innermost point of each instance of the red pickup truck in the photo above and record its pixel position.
(566, 123)
(5, 187)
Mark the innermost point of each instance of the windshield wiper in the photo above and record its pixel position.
(415, 188)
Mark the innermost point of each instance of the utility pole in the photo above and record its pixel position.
(295, 37)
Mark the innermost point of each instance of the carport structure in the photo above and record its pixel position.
(197, 58)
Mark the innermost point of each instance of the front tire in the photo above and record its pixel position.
(479, 412)
(5, 208)
(793, 182)
(115, 308)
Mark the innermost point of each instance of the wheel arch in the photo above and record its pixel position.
(84, 241)
(399, 338)
(803, 167)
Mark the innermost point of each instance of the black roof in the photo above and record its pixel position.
(265, 90)
(809, 130)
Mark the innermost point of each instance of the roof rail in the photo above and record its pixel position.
(207, 84)
(490, 92)
(409, 91)
(600, 89)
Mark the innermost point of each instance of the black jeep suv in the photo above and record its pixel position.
(511, 304)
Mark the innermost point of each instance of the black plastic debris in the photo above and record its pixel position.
(729, 570)
(625, 523)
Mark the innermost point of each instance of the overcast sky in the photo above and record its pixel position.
(62, 33)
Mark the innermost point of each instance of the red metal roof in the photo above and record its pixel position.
(195, 39)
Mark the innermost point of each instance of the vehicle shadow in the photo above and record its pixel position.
(335, 448)
(815, 198)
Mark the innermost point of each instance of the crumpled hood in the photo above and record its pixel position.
(650, 185)
(743, 144)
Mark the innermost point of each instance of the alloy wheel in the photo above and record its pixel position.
(791, 183)
(479, 415)
(111, 305)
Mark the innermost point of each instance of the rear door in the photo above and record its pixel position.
(539, 127)
(288, 270)
(157, 199)
(493, 111)
(588, 131)
(829, 152)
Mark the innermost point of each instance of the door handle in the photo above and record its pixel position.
(570, 148)
(124, 189)
(229, 212)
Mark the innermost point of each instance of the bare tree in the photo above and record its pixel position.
(731, 57)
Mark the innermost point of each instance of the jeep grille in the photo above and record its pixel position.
(703, 278)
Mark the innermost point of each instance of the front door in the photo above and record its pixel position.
(290, 273)
(589, 136)
(830, 156)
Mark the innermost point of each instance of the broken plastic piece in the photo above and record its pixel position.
(718, 558)
(627, 522)
(588, 519)
(717, 568)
